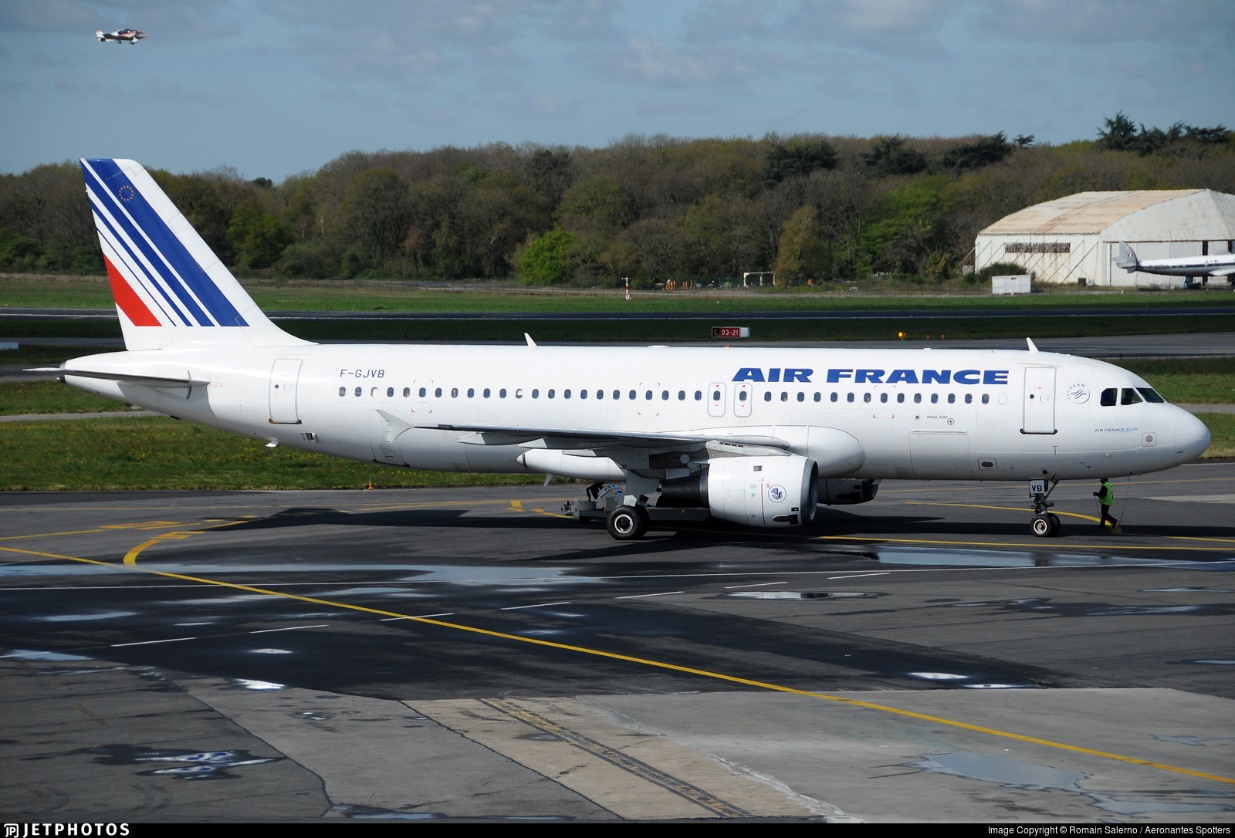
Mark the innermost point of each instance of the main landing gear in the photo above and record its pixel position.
(626, 523)
(1044, 524)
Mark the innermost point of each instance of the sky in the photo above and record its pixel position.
(272, 88)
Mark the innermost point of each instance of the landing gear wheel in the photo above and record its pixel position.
(626, 523)
(1041, 526)
(1056, 526)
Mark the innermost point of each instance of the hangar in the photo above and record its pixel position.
(1075, 239)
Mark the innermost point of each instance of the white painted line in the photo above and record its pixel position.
(538, 605)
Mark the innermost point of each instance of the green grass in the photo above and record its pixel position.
(949, 312)
(1222, 435)
(940, 327)
(23, 397)
(43, 291)
(162, 453)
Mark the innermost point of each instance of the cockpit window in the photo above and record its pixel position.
(1151, 395)
(1110, 397)
(1129, 396)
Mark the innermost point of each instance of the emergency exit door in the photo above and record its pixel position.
(283, 378)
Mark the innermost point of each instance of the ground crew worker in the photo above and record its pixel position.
(1106, 496)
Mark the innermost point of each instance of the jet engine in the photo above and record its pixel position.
(757, 491)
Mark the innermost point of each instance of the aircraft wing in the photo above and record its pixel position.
(1226, 270)
(575, 439)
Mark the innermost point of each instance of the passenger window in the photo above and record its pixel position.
(617, 394)
(551, 392)
(583, 394)
(784, 397)
(917, 398)
(407, 392)
(951, 398)
(519, 393)
(818, 397)
(1108, 397)
(986, 398)
(648, 395)
(716, 395)
(900, 398)
(438, 392)
(454, 392)
(664, 395)
(485, 392)
(767, 397)
(681, 395)
(358, 391)
(390, 391)
(835, 397)
(566, 394)
(849, 397)
(698, 395)
(342, 391)
(742, 395)
(801, 397)
(471, 392)
(969, 398)
(866, 397)
(934, 398)
(501, 394)
(535, 393)
(632, 395)
(883, 398)
(423, 392)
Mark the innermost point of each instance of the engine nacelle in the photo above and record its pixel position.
(843, 491)
(757, 491)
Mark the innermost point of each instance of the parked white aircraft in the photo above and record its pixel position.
(1219, 264)
(757, 436)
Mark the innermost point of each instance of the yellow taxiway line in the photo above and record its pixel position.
(130, 560)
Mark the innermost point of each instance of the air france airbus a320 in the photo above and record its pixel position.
(756, 436)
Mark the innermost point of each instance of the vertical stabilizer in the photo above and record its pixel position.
(170, 288)
(1127, 258)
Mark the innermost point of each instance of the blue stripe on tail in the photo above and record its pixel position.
(176, 268)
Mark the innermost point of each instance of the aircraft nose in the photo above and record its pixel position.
(1191, 437)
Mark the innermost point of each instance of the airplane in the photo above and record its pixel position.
(1220, 264)
(758, 436)
(120, 35)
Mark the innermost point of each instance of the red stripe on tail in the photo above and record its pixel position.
(127, 299)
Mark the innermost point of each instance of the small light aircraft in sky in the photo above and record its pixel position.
(130, 35)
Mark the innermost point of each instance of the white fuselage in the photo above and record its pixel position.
(923, 414)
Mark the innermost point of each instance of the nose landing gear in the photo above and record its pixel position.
(1044, 524)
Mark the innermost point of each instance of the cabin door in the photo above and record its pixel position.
(1039, 400)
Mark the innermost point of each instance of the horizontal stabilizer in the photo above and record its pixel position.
(148, 380)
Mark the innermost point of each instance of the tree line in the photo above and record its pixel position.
(809, 207)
